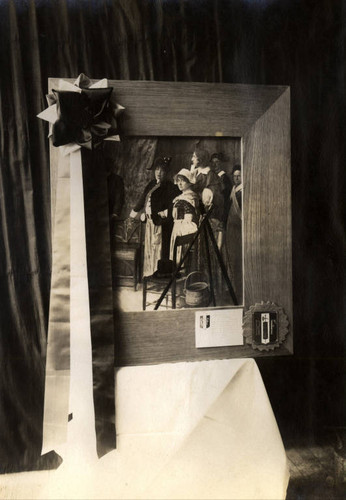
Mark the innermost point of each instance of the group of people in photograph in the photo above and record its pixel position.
(173, 208)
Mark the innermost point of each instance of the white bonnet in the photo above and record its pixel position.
(190, 176)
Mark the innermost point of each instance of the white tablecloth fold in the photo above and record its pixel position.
(202, 430)
(235, 450)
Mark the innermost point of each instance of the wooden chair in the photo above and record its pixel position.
(155, 285)
(127, 252)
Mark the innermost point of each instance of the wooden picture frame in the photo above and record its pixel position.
(260, 117)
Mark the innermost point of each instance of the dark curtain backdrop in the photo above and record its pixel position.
(298, 43)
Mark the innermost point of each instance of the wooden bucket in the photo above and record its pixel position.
(196, 290)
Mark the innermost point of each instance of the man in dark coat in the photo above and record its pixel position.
(226, 184)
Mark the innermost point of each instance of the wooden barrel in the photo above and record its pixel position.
(196, 290)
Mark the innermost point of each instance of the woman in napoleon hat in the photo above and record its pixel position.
(156, 204)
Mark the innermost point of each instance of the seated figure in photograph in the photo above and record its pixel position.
(156, 203)
(185, 208)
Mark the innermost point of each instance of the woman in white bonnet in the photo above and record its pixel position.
(185, 208)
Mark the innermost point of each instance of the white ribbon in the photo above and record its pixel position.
(69, 382)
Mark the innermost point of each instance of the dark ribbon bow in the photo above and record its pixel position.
(85, 118)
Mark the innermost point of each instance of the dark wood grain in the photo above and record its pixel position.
(267, 210)
(154, 337)
(260, 116)
(185, 109)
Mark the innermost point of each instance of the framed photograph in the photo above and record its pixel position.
(199, 197)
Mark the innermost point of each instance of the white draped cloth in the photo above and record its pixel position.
(198, 430)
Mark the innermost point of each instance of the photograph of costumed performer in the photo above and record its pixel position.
(209, 188)
(226, 184)
(233, 239)
(185, 209)
(156, 201)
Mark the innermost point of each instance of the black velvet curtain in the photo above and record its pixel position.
(298, 43)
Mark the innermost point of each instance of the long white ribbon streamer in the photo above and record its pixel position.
(81, 438)
(69, 384)
(58, 347)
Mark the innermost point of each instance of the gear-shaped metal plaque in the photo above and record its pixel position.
(265, 326)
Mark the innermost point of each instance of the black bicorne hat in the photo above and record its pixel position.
(161, 161)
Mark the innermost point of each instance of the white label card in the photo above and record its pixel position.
(218, 328)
